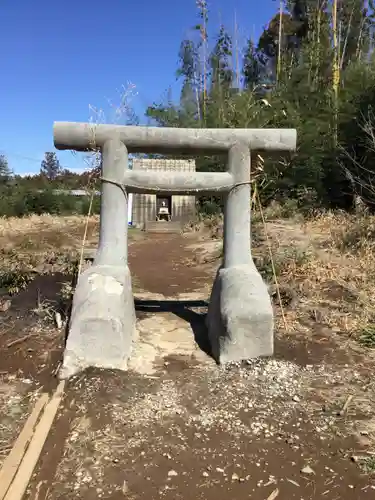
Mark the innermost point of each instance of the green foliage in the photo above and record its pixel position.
(368, 465)
(5, 171)
(16, 201)
(222, 73)
(47, 192)
(335, 156)
(367, 336)
(336, 147)
(15, 281)
(253, 66)
(50, 166)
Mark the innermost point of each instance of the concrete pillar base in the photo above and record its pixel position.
(240, 315)
(102, 324)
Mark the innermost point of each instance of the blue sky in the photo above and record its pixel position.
(58, 58)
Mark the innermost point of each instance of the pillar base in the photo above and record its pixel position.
(102, 324)
(240, 315)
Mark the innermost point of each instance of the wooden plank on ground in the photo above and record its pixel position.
(13, 460)
(31, 457)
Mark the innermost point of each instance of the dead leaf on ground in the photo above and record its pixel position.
(274, 494)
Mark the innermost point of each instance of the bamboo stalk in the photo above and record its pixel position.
(359, 41)
(204, 71)
(346, 38)
(237, 64)
(202, 5)
(317, 43)
(336, 68)
(278, 70)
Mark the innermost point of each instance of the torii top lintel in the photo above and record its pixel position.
(164, 140)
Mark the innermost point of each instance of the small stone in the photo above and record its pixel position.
(172, 473)
(205, 474)
(296, 399)
(5, 305)
(219, 469)
(58, 320)
(235, 477)
(307, 470)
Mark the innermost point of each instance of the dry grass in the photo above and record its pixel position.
(40, 245)
(46, 232)
(326, 264)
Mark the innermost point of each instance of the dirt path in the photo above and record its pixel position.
(178, 427)
(161, 265)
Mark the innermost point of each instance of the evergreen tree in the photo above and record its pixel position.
(50, 166)
(5, 171)
(188, 59)
(332, 143)
(253, 66)
(356, 25)
(221, 57)
(189, 71)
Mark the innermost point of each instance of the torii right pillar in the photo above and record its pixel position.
(240, 316)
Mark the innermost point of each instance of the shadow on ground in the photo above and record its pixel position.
(302, 349)
(184, 309)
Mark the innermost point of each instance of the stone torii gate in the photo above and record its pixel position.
(240, 317)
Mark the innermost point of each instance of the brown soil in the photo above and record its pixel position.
(161, 265)
(30, 344)
(192, 430)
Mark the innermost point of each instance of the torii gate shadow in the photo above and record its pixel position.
(182, 309)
